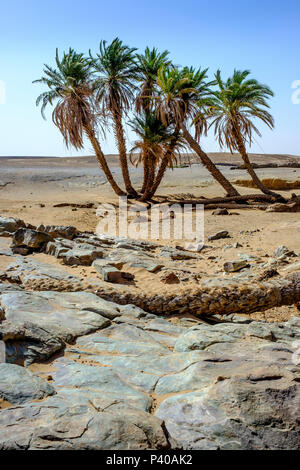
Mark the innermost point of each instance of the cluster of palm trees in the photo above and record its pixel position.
(169, 108)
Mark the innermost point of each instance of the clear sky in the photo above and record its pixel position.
(263, 36)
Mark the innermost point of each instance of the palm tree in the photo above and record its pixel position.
(76, 112)
(148, 65)
(117, 72)
(235, 104)
(154, 143)
(178, 94)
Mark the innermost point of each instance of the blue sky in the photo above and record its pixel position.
(263, 36)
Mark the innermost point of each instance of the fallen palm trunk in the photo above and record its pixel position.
(235, 298)
(236, 206)
(292, 206)
(220, 200)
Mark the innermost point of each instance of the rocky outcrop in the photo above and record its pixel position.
(144, 382)
(93, 365)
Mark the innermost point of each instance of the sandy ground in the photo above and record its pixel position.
(30, 188)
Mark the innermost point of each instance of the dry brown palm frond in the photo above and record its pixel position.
(73, 112)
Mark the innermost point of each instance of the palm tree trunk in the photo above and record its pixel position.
(164, 163)
(122, 152)
(246, 298)
(146, 173)
(210, 166)
(150, 180)
(160, 175)
(102, 161)
(242, 150)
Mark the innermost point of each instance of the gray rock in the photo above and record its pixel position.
(61, 316)
(56, 249)
(123, 256)
(19, 386)
(68, 422)
(57, 231)
(26, 270)
(81, 257)
(175, 254)
(5, 248)
(111, 273)
(202, 336)
(283, 251)
(149, 266)
(101, 380)
(9, 288)
(26, 342)
(237, 411)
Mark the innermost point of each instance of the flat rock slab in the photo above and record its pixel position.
(26, 270)
(18, 385)
(97, 381)
(64, 316)
(70, 422)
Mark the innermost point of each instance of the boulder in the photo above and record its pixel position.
(31, 238)
(9, 225)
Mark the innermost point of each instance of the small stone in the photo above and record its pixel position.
(169, 278)
(237, 245)
(112, 274)
(234, 266)
(220, 212)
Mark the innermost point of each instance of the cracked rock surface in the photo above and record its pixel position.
(90, 364)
